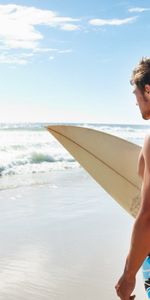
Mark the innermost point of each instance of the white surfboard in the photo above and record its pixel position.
(110, 160)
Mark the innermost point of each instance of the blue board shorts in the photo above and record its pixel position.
(146, 275)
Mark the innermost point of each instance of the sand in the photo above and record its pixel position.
(63, 240)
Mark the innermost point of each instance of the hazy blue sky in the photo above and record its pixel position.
(70, 61)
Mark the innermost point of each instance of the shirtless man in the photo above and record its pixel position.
(140, 240)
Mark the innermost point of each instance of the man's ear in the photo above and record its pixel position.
(147, 88)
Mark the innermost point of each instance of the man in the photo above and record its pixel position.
(140, 240)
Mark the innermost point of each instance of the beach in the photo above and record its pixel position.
(62, 236)
(72, 64)
(66, 239)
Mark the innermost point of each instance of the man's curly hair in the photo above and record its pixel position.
(141, 74)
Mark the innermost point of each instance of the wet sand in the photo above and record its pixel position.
(64, 240)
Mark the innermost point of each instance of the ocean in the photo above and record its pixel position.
(28, 152)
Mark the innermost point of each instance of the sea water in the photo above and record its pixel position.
(28, 152)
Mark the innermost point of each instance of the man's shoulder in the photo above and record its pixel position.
(147, 139)
(146, 146)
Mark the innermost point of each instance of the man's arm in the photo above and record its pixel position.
(140, 241)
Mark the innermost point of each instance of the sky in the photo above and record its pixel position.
(71, 61)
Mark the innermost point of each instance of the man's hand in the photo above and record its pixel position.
(125, 287)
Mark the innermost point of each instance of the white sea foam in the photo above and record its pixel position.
(29, 149)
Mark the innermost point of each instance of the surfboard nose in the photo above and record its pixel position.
(57, 128)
